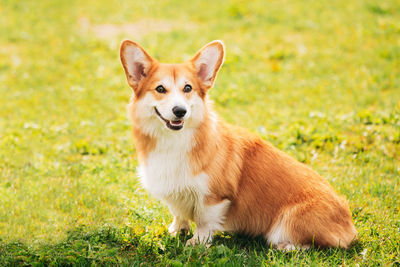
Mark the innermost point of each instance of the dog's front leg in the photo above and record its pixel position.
(180, 223)
(208, 219)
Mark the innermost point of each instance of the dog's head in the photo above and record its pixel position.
(170, 96)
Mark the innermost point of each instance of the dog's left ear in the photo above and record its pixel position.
(208, 61)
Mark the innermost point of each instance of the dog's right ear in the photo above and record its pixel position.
(136, 62)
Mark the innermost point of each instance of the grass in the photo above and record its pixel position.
(320, 80)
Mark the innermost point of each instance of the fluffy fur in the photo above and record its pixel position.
(218, 175)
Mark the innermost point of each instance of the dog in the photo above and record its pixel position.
(220, 176)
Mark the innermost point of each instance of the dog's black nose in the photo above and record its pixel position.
(179, 111)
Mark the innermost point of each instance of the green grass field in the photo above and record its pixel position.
(318, 79)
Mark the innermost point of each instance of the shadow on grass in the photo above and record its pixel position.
(259, 247)
(123, 246)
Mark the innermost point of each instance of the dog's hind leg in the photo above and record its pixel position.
(324, 223)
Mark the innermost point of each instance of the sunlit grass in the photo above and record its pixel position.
(320, 80)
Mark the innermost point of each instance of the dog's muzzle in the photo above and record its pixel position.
(171, 124)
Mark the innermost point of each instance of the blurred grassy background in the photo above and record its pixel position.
(319, 79)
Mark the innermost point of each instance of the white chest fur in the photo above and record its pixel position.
(167, 175)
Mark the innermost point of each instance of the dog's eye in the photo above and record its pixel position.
(187, 88)
(160, 89)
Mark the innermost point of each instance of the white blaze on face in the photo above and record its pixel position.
(174, 98)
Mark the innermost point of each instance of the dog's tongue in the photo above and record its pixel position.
(176, 122)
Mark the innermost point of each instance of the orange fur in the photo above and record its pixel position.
(266, 186)
(267, 189)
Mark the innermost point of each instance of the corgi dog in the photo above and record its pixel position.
(219, 176)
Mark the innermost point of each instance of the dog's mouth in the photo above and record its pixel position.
(173, 125)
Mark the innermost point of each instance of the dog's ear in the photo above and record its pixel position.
(208, 61)
(136, 62)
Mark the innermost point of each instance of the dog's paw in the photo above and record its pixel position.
(175, 231)
(287, 247)
(172, 230)
(178, 228)
(197, 240)
(192, 241)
